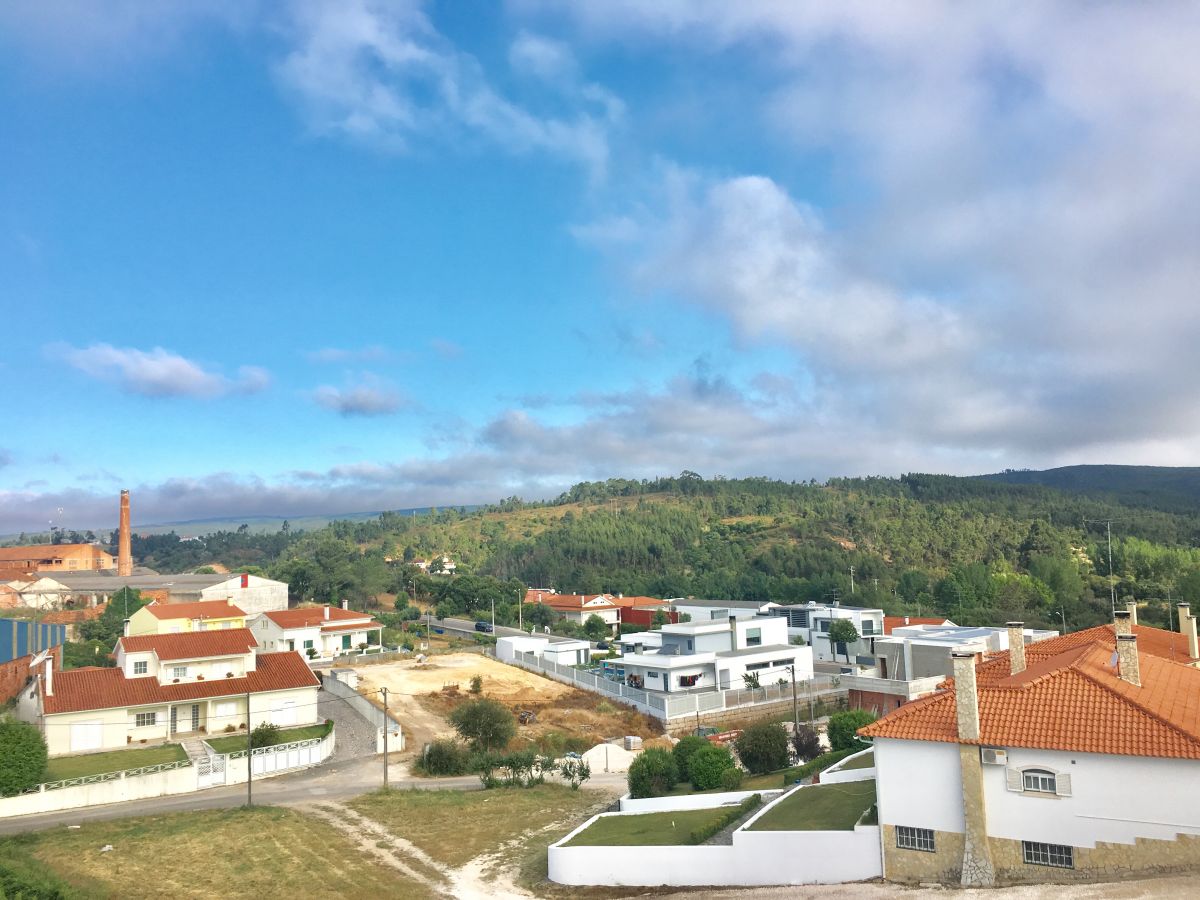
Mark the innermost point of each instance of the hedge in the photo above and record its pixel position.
(704, 832)
(820, 764)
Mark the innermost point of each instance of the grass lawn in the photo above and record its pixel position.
(457, 826)
(822, 807)
(665, 829)
(260, 853)
(62, 767)
(238, 741)
(863, 762)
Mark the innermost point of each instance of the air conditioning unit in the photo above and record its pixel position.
(993, 756)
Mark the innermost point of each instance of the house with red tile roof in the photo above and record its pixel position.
(1072, 759)
(167, 687)
(578, 608)
(316, 632)
(175, 618)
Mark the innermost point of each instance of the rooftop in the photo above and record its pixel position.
(191, 644)
(710, 627)
(722, 604)
(769, 650)
(890, 622)
(110, 581)
(309, 616)
(33, 551)
(204, 609)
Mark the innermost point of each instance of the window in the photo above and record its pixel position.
(688, 680)
(140, 668)
(1057, 855)
(226, 624)
(914, 838)
(144, 720)
(651, 674)
(753, 637)
(1039, 780)
(868, 627)
(824, 626)
(262, 623)
(179, 672)
(308, 645)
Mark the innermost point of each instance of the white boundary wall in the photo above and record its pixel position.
(691, 801)
(268, 761)
(839, 774)
(755, 858)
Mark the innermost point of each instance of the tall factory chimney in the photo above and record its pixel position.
(124, 553)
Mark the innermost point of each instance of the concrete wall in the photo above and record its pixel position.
(262, 594)
(919, 784)
(368, 710)
(691, 801)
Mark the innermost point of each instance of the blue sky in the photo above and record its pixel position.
(307, 257)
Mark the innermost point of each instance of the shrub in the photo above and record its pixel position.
(820, 764)
(484, 765)
(706, 765)
(704, 832)
(806, 743)
(575, 772)
(843, 725)
(683, 752)
(763, 747)
(477, 684)
(265, 734)
(446, 757)
(22, 757)
(653, 773)
(485, 723)
(731, 780)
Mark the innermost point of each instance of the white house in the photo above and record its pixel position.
(812, 621)
(317, 632)
(722, 610)
(578, 608)
(1071, 759)
(566, 652)
(169, 685)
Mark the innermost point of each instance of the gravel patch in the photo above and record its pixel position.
(355, 735)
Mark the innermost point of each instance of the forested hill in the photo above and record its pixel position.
(975, 549)
(1155, 486)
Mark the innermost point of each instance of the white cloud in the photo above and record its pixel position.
(369, 395)
(369, 353)
(157, 372)
(542, 57)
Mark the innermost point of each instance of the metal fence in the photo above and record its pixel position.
(676, 706)
(109, 776)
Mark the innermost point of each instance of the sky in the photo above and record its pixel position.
(307, 257)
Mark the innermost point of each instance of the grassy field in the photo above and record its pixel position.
(63, 767)
(822, 807)
(261, 853)
(665, 829)
(457, 826)
(238, 741)
(863, 762)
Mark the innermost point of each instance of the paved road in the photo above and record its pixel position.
(468, 626)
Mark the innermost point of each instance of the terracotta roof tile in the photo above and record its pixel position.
(191, 644)
(335, 627)
(307, 616)
(76, 690)
(204, 609)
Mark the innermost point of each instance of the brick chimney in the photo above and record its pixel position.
(1121, 622)
(1016, 647)
(966, 700)
(1131, 605)
(1127, 656)
(124, 553)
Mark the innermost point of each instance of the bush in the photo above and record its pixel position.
(763, 747)
(485, 723)
(683, 752)
(843, 725)
(484, 765)
(477, 684)
(446, 757)
(820, 764)
(706, 765)
(731, 780)
(653, 773)
(806, 743)
(704, 832)
(22, 757)
(575, 772)
(265, 734)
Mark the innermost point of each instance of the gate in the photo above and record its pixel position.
(210, 770)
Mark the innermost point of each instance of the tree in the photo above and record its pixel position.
(594, 627)
(706, 765)
(22, 757)
(265, 734)
(537, 614)
(843, 727)
(763, 747)
(110, 624)
(751, 680)
(659, 618)
(486, 724)
(806, 743)
(683, 752)
(842, 631)
(653, 773)
(575, 772)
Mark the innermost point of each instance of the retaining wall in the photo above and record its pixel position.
(691, 801)
(368, 711)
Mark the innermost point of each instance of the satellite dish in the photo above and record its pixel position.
(39, 659)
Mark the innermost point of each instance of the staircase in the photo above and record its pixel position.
(194, 748)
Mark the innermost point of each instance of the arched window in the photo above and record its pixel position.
(1040, 780)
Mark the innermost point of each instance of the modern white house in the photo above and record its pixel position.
(723, 610)
(812, 621)
(566, 652)
(1071, 759)
(169, 685)
(316, 632)
(712, 655)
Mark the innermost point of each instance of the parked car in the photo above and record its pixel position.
(602, 645)
(571, 754)
(484, 626)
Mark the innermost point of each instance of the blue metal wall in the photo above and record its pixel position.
(19, 637)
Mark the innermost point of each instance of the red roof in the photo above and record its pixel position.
(631, 602)
(307, 616)
(77, 690)
(890, 622)
(1070, 698)
(204, 609)
(191, 644)
(571, 601)
(370, 624)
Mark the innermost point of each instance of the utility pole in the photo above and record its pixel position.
(520, 612)
(249, 755)
(1063, 612)
(493, 614)
(852, 579)
(1112, 585)
(795, 703)
(385, 738)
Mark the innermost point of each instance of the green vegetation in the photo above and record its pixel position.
(707, 765)
(486, 724)
(653, 773)
(806, 742)
(444, 757)
(763, 747)
(22, 757)
(866, 761)
(844, 725)
(272, 736)
(63, 767)
(665, 829)
(683, 751)
(821, 807)
(842, 631)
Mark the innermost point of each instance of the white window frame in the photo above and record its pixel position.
(179, 671)
(141, 667)
(1056, 856)
(145, 719)
(1039, 781)
(910, 838)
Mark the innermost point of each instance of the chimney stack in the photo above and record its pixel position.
(1016, 647)
(124, 553)
(1121, 622)
(49, 674)
(1184, 610)
(1190, 631)
(966, 700)
(326, 608)
(1131, 605)
(1127, 656)
(345, 604)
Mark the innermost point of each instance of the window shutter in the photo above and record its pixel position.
(1063, 785)
(1015, 780)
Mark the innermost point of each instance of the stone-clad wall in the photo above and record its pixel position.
(917, 866)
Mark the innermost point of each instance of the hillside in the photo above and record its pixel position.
(1155, 486)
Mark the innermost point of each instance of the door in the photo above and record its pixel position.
(345, 642)
(174, 720)
(195, 717)
(86, 736)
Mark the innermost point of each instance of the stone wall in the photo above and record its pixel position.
(944, 865)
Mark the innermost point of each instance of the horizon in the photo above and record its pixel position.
(270, 260)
